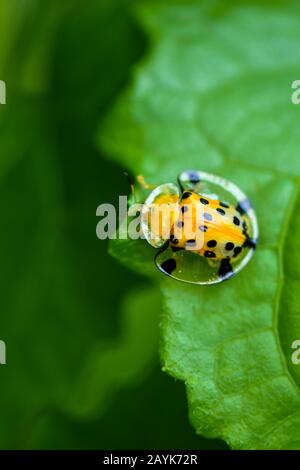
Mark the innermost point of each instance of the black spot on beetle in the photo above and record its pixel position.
(236, 220)
(191, 242)
(179, 224)
(221, 211)
(203, 228)
(209, 254)
(204, 201)
(184, 208)
(186, 194)
(168, 266)
(224, 204)
(237, 251)
(229, 246)
(211, 243)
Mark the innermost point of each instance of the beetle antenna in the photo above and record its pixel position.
(143, 184)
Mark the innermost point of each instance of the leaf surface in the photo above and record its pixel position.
(214, 93)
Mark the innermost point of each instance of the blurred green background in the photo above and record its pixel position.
(82, 362)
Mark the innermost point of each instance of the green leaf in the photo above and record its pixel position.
(214, 93)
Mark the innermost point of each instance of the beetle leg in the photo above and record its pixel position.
(142, 182)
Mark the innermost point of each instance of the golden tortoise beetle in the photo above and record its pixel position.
(227, 225)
